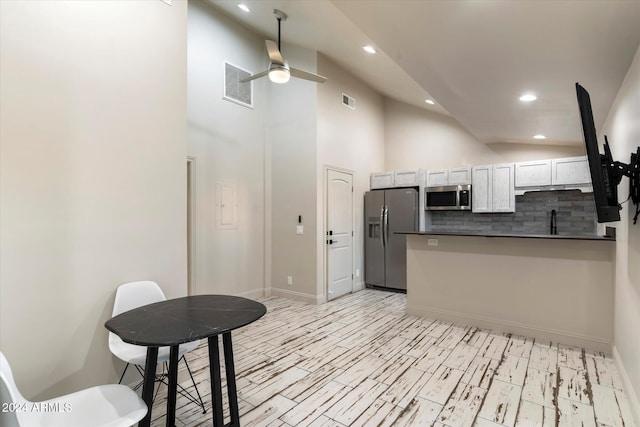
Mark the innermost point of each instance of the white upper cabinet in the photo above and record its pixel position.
(533, 174)
(457, 176)
(407, 178)
(382, 180)
(437, 177)
(460, 176)
(570, 171)
(493, 188)
(481, 191)
(567, 173)
(504, 194)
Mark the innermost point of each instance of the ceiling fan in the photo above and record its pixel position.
(279, 70)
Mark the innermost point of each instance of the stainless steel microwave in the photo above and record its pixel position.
(448, 198)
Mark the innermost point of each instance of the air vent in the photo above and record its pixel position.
(349, 101)
(234, 91)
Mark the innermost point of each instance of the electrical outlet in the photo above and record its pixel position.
(299, 229)
(432, 242)
(289, 280)
(357, 272)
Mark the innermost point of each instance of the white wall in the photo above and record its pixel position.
(520, 152)
(623, 129)
(417, 138)
(227, 142)
(351, 140)
(291, 138)
(92, 177)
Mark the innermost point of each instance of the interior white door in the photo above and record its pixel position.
(339, 233)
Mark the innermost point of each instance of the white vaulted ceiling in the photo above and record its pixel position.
(473, 57)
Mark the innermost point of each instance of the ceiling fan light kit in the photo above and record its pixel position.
(279, 70)
(279, 73)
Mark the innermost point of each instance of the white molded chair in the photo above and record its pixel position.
(110, 405)
(133, 295)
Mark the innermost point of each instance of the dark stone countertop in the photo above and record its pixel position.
(508, 235)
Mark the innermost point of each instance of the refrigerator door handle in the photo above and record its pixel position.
(382, 226)
(385, 230)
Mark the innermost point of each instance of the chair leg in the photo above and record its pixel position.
(161, 378)
(123, 372)
(181, 390)
(204, 411)
(141, 372)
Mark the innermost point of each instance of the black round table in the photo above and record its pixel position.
(177, 321)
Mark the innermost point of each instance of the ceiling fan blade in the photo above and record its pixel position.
(274, 53)
(255, 76)
(301, 74)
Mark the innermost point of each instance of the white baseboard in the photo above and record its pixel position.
(632, 397)
(588, 342)
(358, 286)
(296, 296)
(254, 293)
(320, 299)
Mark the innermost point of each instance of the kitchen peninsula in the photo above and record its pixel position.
(550, 287)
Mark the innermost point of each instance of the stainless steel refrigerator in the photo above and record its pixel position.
(385, 212)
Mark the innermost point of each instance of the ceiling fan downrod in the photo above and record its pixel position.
(280, 16)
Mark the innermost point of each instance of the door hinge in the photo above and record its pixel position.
(352, 276)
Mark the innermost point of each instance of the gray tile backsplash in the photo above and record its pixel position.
(575, 215)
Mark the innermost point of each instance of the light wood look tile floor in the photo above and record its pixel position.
(361, 361)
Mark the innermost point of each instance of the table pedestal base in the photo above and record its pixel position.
(147, 385)
(216, 381)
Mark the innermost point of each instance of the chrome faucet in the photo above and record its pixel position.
(553, 228)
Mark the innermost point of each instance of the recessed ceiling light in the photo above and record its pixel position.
(528, 97)
(244, 7)
(429, 101)
(369, 49)
(539, 136)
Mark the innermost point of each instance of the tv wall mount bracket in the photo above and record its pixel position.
(632, 171)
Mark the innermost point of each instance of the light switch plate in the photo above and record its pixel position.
(299, 229)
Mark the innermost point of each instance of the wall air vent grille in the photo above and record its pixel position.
(234, 90)
(348, 101)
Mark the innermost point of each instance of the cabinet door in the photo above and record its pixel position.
(570, 170)
(406, 178)
(437, 177)
(382, 180)
(533, 174)
(460, 176)
(481, 190)
(503, 194)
